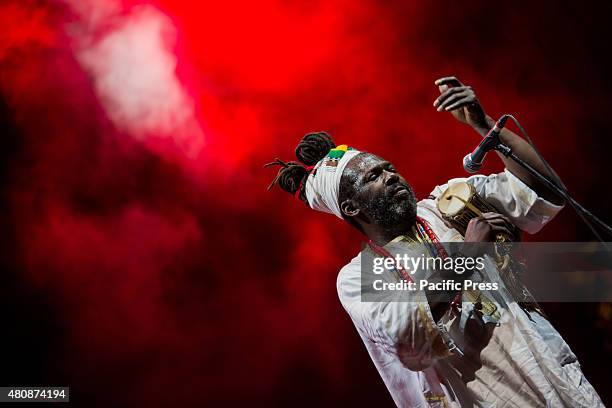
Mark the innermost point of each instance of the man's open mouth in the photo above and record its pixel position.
(399, 191)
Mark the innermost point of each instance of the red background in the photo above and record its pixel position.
(138, 274)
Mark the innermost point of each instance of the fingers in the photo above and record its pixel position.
(499, 223)
(494, 216)
(450, 80)
(448, 92)
(455, 99)
(452, 95)
(473, 221)
(488, 226)
(469, 99)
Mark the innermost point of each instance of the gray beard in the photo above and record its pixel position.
(393, 215)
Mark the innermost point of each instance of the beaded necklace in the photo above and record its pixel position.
(425, 235)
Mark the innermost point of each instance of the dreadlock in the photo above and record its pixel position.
(292, 175)
(313, 147)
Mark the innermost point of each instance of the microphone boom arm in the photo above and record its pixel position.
(507, 151)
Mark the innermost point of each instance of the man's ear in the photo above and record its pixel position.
(349, 208)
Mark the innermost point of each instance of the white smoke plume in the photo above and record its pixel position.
(129, 56)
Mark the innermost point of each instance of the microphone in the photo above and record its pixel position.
(472, 162)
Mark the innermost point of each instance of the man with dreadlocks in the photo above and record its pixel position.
(521, 360)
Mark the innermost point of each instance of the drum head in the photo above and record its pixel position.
(449, 204)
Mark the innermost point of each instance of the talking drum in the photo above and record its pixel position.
(460, 203)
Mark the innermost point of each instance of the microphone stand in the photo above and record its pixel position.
(507, 151)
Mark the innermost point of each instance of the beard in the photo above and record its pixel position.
(393, 213)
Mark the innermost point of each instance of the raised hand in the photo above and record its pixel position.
(461, 101)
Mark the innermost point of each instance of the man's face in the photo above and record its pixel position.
(380, 193)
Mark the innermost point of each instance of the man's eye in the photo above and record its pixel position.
(372, 177)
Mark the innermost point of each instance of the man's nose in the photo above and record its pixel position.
(392, 178)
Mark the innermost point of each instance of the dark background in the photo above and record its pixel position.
(139, 275)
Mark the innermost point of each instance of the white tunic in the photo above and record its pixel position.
(525, 362)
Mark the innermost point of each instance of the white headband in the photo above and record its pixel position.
(323, 183)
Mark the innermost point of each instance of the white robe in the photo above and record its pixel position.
(525, 363)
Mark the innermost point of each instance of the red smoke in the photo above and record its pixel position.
(136, 193)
